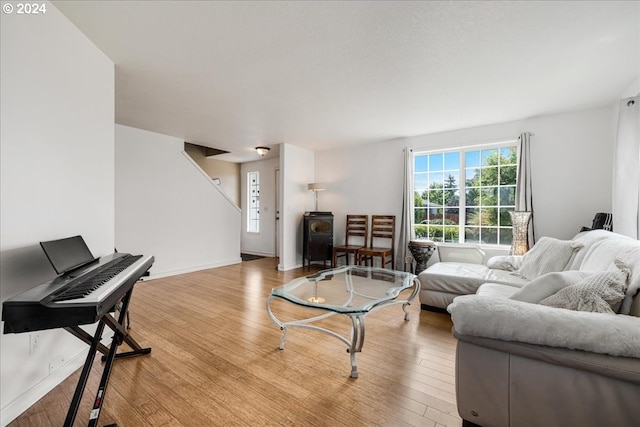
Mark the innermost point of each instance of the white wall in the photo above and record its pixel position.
(296, 171)
(571, 160)
(167, 207)
(264, 242)
(57, 179)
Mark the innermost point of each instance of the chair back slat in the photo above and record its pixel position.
(383, 227)
(357, 226)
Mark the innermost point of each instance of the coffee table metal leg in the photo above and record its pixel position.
(357, 340)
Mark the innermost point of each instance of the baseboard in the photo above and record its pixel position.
(193, 269)
(258, 253)
(23, 402)
(288, 267)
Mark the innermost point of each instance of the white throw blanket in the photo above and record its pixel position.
(510, 320)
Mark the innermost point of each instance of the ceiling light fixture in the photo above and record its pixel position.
(262, 150)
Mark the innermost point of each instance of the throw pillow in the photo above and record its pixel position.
(601, 292)
(505, 262)
(546, 256)
(547, 285)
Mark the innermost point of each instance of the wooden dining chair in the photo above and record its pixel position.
(357, 229)
(382, 241)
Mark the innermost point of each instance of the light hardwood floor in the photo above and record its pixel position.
(215, 362)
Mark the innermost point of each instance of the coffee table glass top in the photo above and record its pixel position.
(349, 289)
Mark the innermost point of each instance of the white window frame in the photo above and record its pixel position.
(253, 202)
(462, 184)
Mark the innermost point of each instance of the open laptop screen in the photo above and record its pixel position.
(67, 254)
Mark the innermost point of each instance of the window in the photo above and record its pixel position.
(466, 195)
(253, 202)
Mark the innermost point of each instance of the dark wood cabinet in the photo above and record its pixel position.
(317, 243)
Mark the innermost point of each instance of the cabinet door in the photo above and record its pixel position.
(320, 246)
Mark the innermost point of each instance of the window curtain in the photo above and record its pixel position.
(524, 196)
(406, 230)
(626, 169)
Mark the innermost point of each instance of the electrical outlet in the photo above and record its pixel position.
(34, 343)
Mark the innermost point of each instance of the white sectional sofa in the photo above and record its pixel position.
(522, 363)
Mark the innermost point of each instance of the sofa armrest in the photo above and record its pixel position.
(621, 368)
(509, 320)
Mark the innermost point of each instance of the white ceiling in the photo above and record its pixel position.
(321, 75)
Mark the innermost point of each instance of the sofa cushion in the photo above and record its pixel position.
(588, 239)
(601, 292)
(462, 278)
(497, 290)
(505, 262)
(547, 285)
(546, 256)
(603, 252)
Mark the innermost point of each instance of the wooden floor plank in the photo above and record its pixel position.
(215, 361)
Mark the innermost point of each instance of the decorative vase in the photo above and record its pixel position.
(520, 222)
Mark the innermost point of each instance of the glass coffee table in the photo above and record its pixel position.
(353, 291)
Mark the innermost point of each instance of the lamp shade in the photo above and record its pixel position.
(315, 187)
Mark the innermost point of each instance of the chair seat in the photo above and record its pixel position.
(374, 251)
(357, 228)
(382, 230)
(347, 248)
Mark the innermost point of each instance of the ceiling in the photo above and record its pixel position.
(323, 75)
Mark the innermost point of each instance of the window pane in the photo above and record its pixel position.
(451, 233)
(489, 176)
(420, 181)
(489, 216)
(489, 196)
(436, 180)
(472, 234)
(507, 196)
(253, 202)
(451, 179)
(472, 159)
(508, 175)
(505, 218)
(436, 198)
(472, 197)
(472, 216)
(452, 161)
(451, 197)
(420, 164)
(452, 217)
(509, 155)
(421, 231)
(419, 215)
(489, 236)
(435, 233)
(473, 177)
(489, 157)
(505, 236)
(435, 162)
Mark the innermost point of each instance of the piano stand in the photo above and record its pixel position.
(121, 335)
